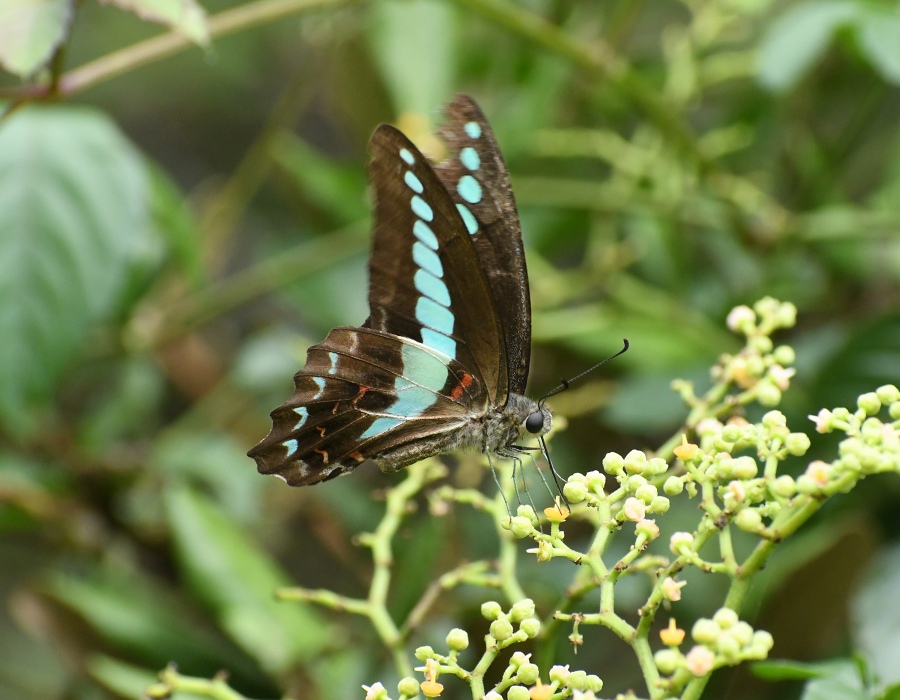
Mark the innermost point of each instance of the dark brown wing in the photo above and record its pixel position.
(426, 281)
(477, 179)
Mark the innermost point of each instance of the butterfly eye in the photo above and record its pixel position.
(535, 422)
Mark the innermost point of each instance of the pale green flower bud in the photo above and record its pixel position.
(457, 639)
(725, 618)
(408, 686)
(521, 610)
(518, 692)
(613, 463)
(424, 653)
(705, 631)
(491, 610)
(748, 520)
(673, 486)
(797, 444)
(744, 467)
(869, 403)
(767, 393)
(575, 492)
(784, 355)
(531, 627)
(527, 674)
(501, 629)
(667, 661)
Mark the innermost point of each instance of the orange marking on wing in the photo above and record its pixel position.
(464, 384)
(334, 410)
(321, 430)
(324, 454)
(362, 392)
(358, 456)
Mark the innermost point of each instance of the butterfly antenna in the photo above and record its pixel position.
(565, 383)
(557, 477)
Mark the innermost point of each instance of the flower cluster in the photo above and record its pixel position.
(723, 640)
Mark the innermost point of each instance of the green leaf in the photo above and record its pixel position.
(184, 16)
(72, 214)
(336, 188)
(876, 619)
(236, 579)
(125, 680)
(173, 220)
(844, 683)
(789, 670)
(798, 39)
(879, 36)
(30, 31)
(127, 611)
(413, 43)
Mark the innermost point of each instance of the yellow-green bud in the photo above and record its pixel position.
(531, 627)
(784, 486)
(594, 684)
(559, 674)
(659, 505)
(869, 403)
(767, 394)
(408, 686)
(424, 653)
(656, 466)
(673, 486)
(575, 492)
(888, 394)
(527, 674)
(521, 610)
(596, 481)
(744, 467)
(727, 645)
(577, 680)
(762, 640)
(518, 692)
(491, 610)
(748, 520)
(743, 632)
(784, 355)
(797, 444)
(520, 526)
(646, 493)
(667, 661)
(613, 463)
(705, 631)
(524, 511)
(457, 639)
(725, 618)
(501, 629)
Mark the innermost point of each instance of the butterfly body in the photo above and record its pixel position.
(442, 361)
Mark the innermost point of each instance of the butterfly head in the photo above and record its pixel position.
(538, 422)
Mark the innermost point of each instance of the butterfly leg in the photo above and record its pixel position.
(497, 481)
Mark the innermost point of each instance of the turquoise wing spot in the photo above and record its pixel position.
(470, 158)
(430, 313)
(291, 446)
(319, 383)
(469, 189)
(432, 287)
(413, 182)
(473, 129)
(333, 358)
(427, 259)
(425, 234)
(381, 425)
(304, 414)
(407, 156)
(412, 402)
(423, 368)
(439, 341)
(468, 218)
(421, 208)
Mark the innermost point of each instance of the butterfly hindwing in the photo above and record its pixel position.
(476, 177)
(363, 393)
(426, 281)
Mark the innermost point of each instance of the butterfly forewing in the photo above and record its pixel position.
(426, 281)
(476, 177)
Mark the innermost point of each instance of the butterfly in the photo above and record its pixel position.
(442, 361)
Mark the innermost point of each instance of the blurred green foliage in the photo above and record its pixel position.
(172, 243)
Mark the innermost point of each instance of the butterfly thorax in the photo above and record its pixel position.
(496, 430)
